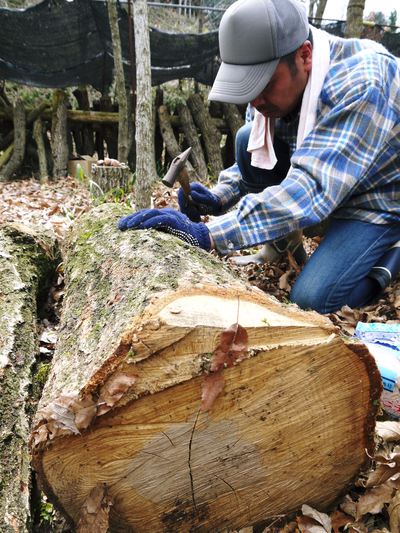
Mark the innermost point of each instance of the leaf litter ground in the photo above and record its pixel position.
(372, 505)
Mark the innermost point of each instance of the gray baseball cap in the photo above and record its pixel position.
(253, 36)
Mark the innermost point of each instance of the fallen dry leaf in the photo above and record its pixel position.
(388, 431)
(113, 390)
(319, 517)
(212, 386)
(309, 525)
(386, 468)
(232, 348)
(348, 506)
(394, 513)
(340, 520)
(374, 499)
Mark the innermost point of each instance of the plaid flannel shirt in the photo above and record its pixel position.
(348, 166)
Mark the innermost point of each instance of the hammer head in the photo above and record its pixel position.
(175, 169)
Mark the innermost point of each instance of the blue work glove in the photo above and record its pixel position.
(205, 202)
(169, 221)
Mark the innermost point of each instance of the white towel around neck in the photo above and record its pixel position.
(262, 133)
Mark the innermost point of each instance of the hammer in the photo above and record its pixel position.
(178, 172)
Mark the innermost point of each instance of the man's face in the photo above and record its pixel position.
(286, 87)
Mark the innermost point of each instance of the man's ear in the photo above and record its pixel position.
(305, 55)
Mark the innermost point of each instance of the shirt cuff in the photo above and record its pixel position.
(226, 233)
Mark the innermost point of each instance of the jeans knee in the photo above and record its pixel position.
(308, 297)
(242, 139)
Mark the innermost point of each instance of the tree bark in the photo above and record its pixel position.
(26, 260)
(233, 118)
(211, 136)
(59, 134)
(41, 149)
(123, 129)
(108, 178)
(192, 138)
(121, 405)
(320, 10)
(146, 172)
(355, 11)
(33, 114)
(18, 153)
(171, 144)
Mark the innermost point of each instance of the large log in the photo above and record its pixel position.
(120, 415)
(26, 261)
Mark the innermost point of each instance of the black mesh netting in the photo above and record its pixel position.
(59, 44)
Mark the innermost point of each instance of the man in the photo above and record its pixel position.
(333, 107)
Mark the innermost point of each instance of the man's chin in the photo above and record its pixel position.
(273, 114)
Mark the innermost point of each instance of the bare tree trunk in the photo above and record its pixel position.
(59, 132)
(211, 135)
(311, 8)
(192, 137)
(320, 10)
(19, 142)
(123, 129)
(145, 163)
(233, 118)
(171, 144)
(41, 149)
(355, 11)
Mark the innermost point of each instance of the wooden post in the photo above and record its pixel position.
(41, 149)
(59, 132)
(146, 172)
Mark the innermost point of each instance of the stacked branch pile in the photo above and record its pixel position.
(25, 134)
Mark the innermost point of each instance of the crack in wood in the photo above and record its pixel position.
(189, 462)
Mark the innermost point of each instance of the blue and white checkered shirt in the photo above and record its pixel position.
(348, 166)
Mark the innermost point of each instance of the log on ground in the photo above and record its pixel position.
(142, 317)
(26, 261)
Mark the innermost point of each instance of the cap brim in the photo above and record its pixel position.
(239, 84)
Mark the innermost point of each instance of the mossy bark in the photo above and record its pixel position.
(26, 261)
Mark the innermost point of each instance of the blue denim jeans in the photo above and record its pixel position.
(254, 180)
(337, 272)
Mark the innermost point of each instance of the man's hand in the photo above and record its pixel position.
(204, 202)
(169, 221)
